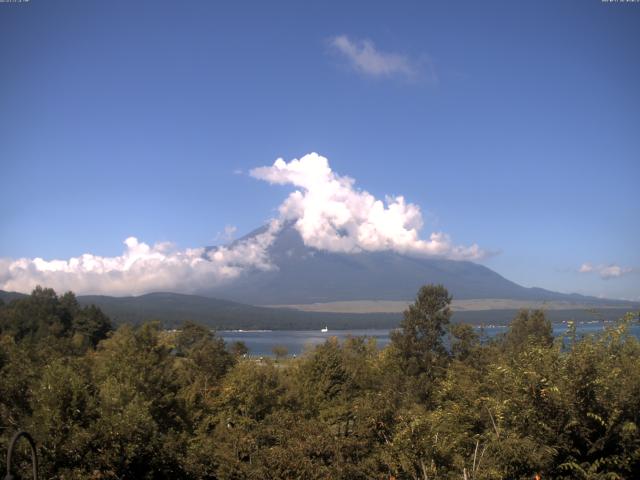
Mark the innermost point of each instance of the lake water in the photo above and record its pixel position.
(261, 343)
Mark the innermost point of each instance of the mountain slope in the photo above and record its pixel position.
(173, 309)
(309, 275)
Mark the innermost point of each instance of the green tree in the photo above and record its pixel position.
(324, 380)
(280, 351)
(464, 341)
(418, 344)
(238, 348)
(43, 314)
(92, 324)
(39, 315)
(529, 327)
(202, 361)
(140, 417)
(63, 405)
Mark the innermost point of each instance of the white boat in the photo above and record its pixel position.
(324, 330)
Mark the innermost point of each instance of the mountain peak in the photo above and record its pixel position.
(304, 274)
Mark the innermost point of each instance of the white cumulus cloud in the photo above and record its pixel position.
(141, 268)
(326, 208)
(605, 271)
(332, 214)
(364, 57)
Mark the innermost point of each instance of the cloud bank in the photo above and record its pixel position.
(328, 211)
(365, 58)
(605, 271)
(331, 214)
(141, 268)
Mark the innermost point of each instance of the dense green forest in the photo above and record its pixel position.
(172, 309)
(438, 403)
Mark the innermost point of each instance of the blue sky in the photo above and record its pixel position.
(512, 125)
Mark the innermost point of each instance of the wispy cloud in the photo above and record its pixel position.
(368, 60)
(605, 271)
(227, 235)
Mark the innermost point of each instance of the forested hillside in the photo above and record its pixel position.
(141, 402)
(173, 309)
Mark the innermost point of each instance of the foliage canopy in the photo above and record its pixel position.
(143, 402)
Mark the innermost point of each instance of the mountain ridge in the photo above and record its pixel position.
(173, 309)
(306, 275)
